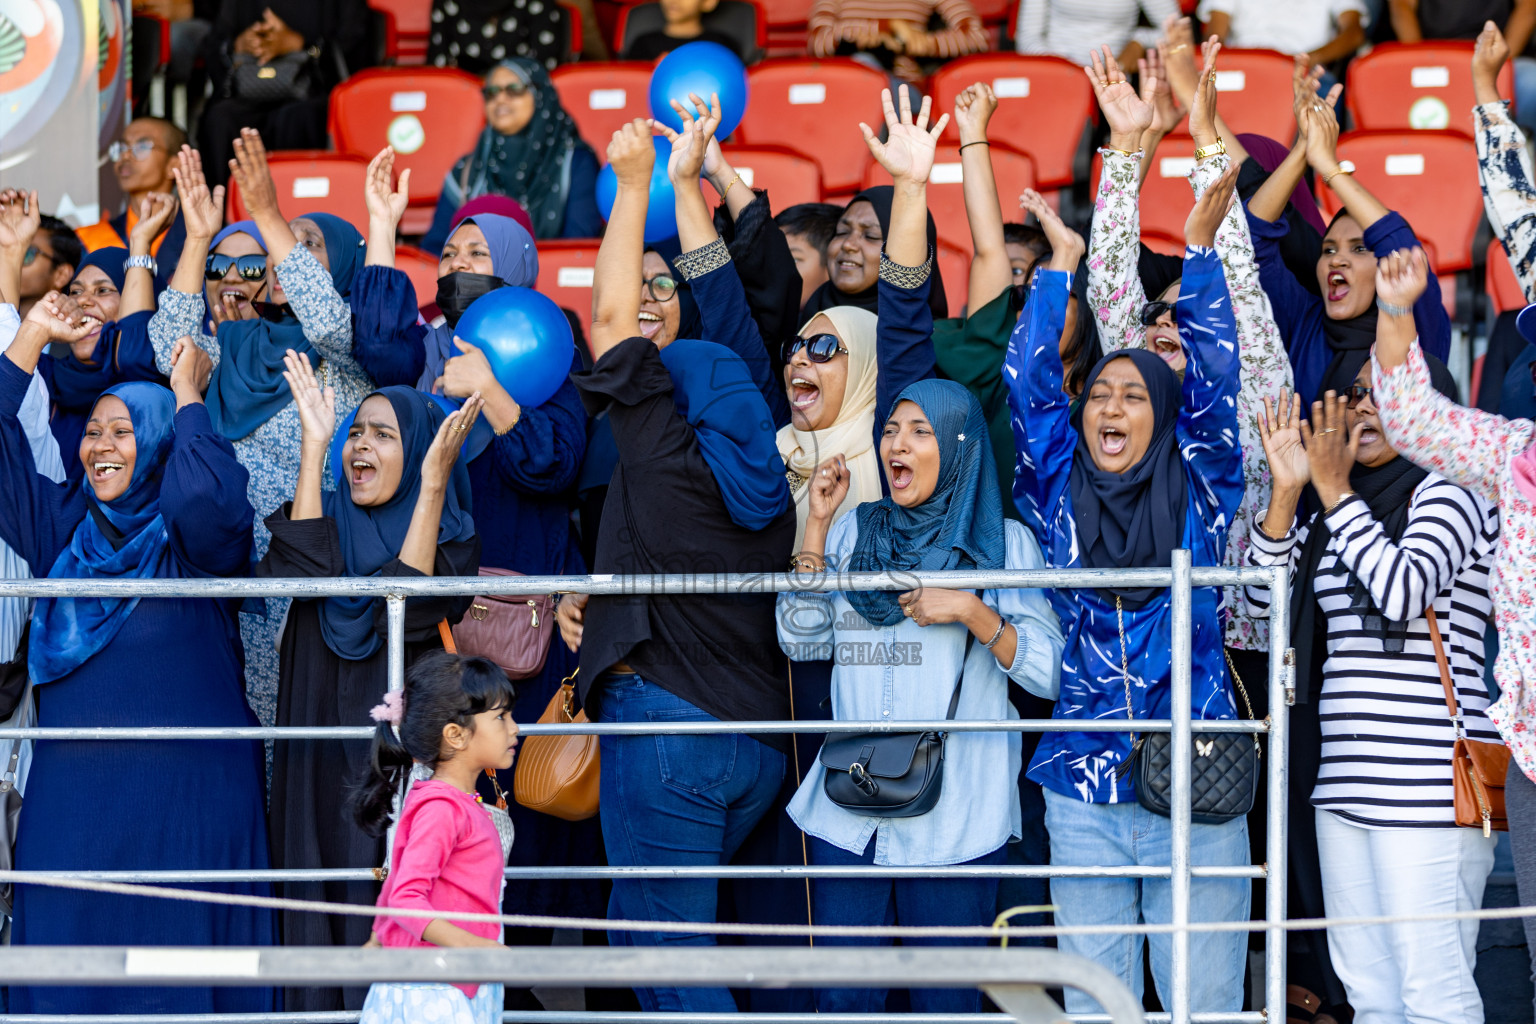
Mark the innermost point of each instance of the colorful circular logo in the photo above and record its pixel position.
(1429, 112)
(406, 133)
(41, 46)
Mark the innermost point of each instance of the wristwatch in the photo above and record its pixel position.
(1345, 167)
(147, 262)
(1214, 149)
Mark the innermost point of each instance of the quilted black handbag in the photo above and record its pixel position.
(1224, 767)
(889, 775)
(293, 76)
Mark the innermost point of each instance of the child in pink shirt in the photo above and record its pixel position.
(454, 718)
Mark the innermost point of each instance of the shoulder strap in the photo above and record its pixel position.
(954, 698)
(1445, 669)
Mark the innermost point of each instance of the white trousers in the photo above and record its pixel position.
(1418, 972)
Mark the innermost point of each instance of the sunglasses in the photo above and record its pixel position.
(661, 287)
(819, 348)
(140, 149)
(32, 253)
(252, 267)
(1357, 393)
(1152, 312)
(513, 89)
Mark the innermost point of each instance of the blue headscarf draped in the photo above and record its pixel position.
(68, 631)
(371, 538)
(248, 386)
(514, 259)
(109, 261)
(960, 526)
(239, 227)
(714, 392)
(74, 384)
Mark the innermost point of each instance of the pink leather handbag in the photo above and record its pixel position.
(514, 632)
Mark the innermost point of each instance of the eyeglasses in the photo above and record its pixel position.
(252, 267)
(819, 348)
(512, 89)
(1152, 312)
(140, 149)
(32, 253)
(1357, 393)
(661, 287)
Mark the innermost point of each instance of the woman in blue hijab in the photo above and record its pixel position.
(960, 650)
(162, 497)
(402, 467)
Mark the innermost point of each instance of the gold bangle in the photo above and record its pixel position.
(1335, 506)
(1122, 152)
(730, 185)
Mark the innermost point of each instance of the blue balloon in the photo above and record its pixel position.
(526, 339)
(700, 68)
(661, 213)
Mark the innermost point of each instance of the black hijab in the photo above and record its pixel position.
(828, 295)
(1133, 519)
(1355, 335)
(1388, 490)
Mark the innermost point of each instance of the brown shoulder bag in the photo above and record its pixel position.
(1478, 767)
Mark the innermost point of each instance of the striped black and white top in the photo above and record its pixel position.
(1387, 736)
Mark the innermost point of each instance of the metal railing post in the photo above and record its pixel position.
(1179, 751)
(394, 605)
(1282, 673)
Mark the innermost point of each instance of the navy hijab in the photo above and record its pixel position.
(514, 259)
(74, 384)
(371, 538)
(960, 526)
(248, 386)
(713, 390)
(122, 539)
(1133, 519)
(881, 197)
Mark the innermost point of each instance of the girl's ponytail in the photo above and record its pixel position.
(388, 765)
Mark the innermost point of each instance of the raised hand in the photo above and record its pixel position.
(155, 213)
(1157, 89)
(202, 208)
(1323, 136)
(1067, 246)
(250, 171)
(1202, 107)
(191, 371)
(20, 217)
(1127, 116)
(61, 319)
(1401, 277)
(1177, 52)
(317, 406)
(386, 204)
(1305, 77)
(1210, 208)
(907, 152)
(1487, 60)
(690, 147)
(632, 155)
(1280, 432)
(828, 487)
(444, 452)
(1331, 447)
(973, 111)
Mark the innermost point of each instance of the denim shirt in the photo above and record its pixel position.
(907, 672)
(1094, 677)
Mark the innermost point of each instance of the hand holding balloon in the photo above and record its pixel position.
(524, 340)
(471, 372)
(699, 68)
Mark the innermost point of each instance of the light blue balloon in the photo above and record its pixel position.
(701, 68)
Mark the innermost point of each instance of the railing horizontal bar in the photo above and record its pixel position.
(672, 583)
(218, 876)
(352, 732)
(599, 1017)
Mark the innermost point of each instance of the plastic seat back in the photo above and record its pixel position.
(313, 181)
(1503, 286)
(1247, 84)
(1013, 172)
(566, 273)
(411, 21)
(790, 178)
(603, 97)
(814, 108)
(1416, 86)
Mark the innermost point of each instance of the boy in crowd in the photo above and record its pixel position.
(808, 228)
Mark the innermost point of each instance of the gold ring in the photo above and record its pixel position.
(1330, 430)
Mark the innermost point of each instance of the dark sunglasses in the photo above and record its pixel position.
(819, 348)
(1152, 312)
(252, 267)
(490, 92)
(1357, 393)
(662, 287)
(32, 253)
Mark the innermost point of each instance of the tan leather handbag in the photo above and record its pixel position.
(558, 775)
(514, 632)
(1478, 768)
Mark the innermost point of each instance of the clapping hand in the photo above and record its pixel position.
(828, 487)
(154, 214)
(1126, 113)
(250, 171)
(1157, 89)
(907, 152)
(1067, 246)
(1331, 447)
(632, 155)
(437, 464)
(317, 407)
(1280, 431)
(202, 208)
(386, 204)
(1401, 277)
(1322, 132)
(1305, 78)
(691, 145)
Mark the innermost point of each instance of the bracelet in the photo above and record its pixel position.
(798, 564)
(982, 142)
(1122, 152)
(1002, 624)
(1391, 310)
(1335, 506)
(1341, 169)
(729, 186)
(1214, 149)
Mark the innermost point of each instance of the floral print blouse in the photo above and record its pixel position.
(1474, 449)
(1116, 296)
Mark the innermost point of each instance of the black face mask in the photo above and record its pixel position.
(456, 291)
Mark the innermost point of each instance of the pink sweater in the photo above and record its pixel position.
(447, 857)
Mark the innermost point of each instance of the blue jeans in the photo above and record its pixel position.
(1084, 834)
(675, 800)
(909, 901)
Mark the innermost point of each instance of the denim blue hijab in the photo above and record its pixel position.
(714, 392)
(371, 538)
(960, 526)
(69, 631)
(248, 386)
(514, 259)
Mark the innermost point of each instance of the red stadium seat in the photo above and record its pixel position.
(411, 26)
(1503, 286)
(790, 178)
(395, 107)
(955, 266)
(1428, 177)
(313, 181)
(1166, 245)
(603, 97)
(1014, 172)
(786, 23)
(1254, 94)
(1044, 104)
(1166, 197)
(566, 268)
(1401, 87)
(814, 107)
(421, 268)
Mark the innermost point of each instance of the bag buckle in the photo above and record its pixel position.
(478, 612)
(533, 606)
(862, 779)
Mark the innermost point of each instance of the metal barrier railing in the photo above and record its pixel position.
(19, 963)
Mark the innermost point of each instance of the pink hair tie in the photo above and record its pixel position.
(392, 710)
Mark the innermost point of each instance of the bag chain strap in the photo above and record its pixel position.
(1124, 767)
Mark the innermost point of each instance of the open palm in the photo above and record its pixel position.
(316, 405)
(1124, 111)
(907, 152)
(1280, 431)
